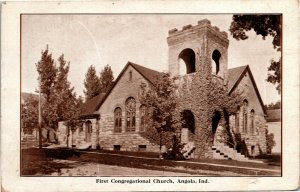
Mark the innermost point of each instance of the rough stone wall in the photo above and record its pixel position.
(129, 141)
(77, 137)
(258, 137)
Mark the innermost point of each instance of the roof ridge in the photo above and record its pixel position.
(242, 66)
(138, 65)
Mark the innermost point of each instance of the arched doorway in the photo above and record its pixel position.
(188, 126)
(187, 60)
(88, 131)
(215, 121)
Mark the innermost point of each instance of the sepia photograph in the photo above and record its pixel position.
(144, 95)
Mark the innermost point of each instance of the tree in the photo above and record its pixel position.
(276, 105)
(91, 83)
(263, 25)
(162, 117)
(29, 113)
(47, 72)
(106, 79)
(270, 141)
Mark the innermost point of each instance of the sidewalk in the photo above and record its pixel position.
(201, 165)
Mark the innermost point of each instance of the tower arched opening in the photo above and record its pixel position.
(216, 55)
(187, 61)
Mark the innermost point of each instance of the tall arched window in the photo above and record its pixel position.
(252, 121)
(245, 116)
(142, 118)
(118, 120)
(237, 120)
(130, 114)
(216, 55)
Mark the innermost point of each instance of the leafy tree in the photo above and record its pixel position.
(47, 72)
(276, 105)
(29, 113)
(270, 141)
(91, 83)
(163, 119)
(263, 25)
(106, 79)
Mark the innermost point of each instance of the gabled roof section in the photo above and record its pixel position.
(235, 75)
(90, 106)
(25, 96)
(149, 74)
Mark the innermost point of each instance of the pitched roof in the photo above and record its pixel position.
(273, 115)
(235, 75)
(151, 75)
(90, 106)
(25, 96)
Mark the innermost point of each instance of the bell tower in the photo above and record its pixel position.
(186, 46)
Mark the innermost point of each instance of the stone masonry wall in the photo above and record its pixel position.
(258, 137)
(124, 89)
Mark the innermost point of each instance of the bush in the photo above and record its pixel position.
(270, 141)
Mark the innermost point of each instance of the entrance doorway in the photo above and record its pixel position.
(188, 126)
(88, 131)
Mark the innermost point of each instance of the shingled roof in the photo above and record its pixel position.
(90, 106)
(233, 76)
(151, 75)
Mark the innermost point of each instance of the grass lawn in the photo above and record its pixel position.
(41, 161)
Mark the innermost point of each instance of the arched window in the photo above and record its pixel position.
(237, 120)
(245, 116)
(252, 121)
(187, 57)
(130, 114)
(216, 55)
(118, 120)
(142, 118)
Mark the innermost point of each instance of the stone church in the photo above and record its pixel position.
(198, 55)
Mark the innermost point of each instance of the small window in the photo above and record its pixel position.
(142, 118)
(130, 75)
(237, 120)
(142, 148)
(252, 121)
(118, 120)
(117, 147)
(245, 116)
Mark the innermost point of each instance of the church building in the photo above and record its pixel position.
(198, 55)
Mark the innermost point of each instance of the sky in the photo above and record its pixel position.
(104, 39)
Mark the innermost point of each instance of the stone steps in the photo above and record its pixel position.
(188, 150)
(221, 151)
